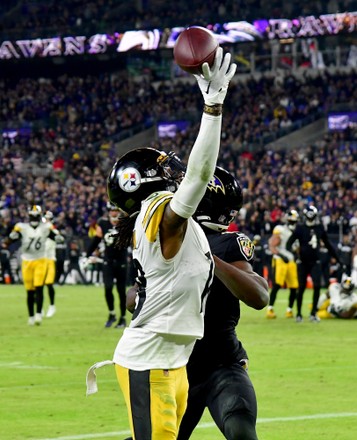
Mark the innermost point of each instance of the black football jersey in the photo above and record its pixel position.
(110, 252)
(309, 238)
(220, 345)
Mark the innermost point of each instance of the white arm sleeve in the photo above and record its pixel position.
(200, 168)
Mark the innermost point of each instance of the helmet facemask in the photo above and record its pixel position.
(173, 168)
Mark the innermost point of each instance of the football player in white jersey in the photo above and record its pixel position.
(340, 300)
(174, 263)
(284, 265)
(51, 268)
(33, 236)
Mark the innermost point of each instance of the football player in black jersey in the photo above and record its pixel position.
(217, 368)
(309, 235)
(114, 265)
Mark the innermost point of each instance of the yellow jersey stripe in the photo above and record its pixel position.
(157, 198)
(154, 215)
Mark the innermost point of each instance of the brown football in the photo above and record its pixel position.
(195, 46)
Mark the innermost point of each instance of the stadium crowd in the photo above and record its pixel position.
(59, 133)
(63, 163)
(68, 17)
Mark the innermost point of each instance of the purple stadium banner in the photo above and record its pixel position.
(342, 121)
(232, 32)
(171, 128)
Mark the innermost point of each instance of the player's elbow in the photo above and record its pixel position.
(260, 299)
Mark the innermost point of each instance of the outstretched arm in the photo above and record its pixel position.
(243, 282)
(202, 161)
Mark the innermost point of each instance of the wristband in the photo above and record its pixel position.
(213, 110)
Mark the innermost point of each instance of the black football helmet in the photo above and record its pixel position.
(221, 202)
(35, 215)
(311, 215)
(141, 172)
(114, 213)
(49, 216)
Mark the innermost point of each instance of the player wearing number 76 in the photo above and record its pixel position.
(33, 236)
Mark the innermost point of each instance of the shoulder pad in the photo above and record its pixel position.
(278, 229)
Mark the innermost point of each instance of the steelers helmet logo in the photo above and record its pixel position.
(129, 179)
(215, 184)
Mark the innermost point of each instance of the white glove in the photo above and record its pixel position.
(59, 238)
(213, 83)
(85, 262)
(14, 235)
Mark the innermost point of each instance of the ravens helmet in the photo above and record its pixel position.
(35, 215)
(141, 172)
(292, 217)
(347, 285)
(311, 215)
(49, 216)
(114, 213)
(222, 200)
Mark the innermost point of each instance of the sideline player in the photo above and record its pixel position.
(33, 236)
(284, 265)
(51, 268)
(114, 264)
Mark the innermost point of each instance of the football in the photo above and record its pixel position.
(195, 46)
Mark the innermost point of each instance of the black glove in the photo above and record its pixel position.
(284, 258)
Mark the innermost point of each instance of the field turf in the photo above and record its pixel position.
(305, 375)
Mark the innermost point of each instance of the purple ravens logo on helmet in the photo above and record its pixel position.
(216, 185)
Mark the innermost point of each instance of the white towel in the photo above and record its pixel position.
(91, 379)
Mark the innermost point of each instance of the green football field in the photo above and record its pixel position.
(305, 375)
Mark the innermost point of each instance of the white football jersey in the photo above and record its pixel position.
(169, 313)
(340, 301)
(33, 240)
(50, 249)
(284, 233)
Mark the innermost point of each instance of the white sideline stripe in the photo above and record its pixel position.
(25, 366)
(209, 425)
